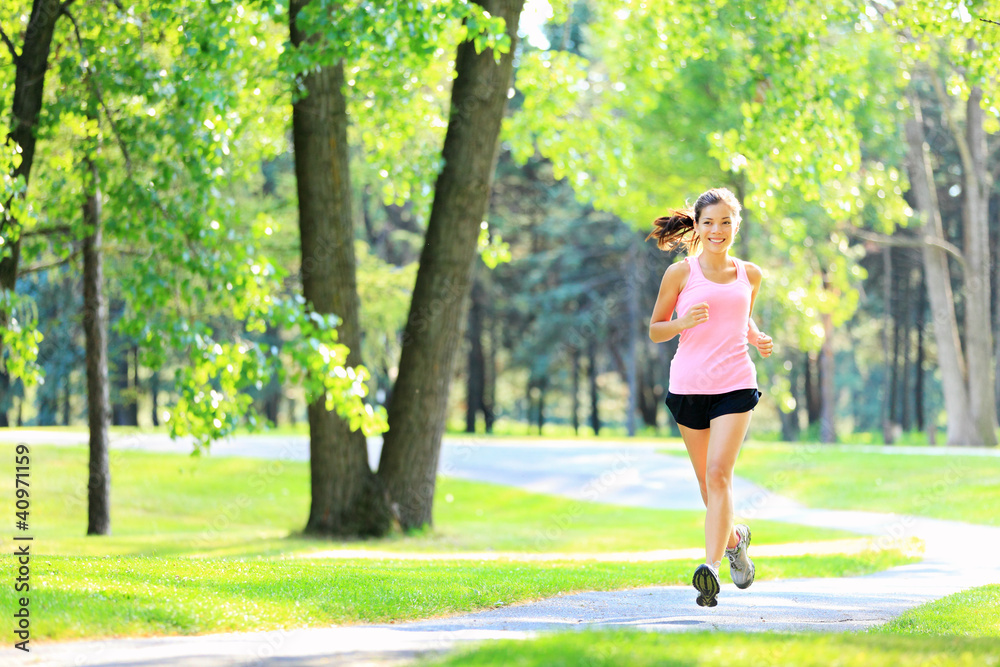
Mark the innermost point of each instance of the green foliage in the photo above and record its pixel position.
(642, 648)
(20, 338)
(492, 248)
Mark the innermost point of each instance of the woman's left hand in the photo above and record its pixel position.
(764, 345)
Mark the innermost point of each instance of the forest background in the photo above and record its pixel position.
(165, 151)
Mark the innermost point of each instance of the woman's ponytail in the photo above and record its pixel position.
(673, 230)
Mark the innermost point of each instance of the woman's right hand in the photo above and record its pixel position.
(697, 314)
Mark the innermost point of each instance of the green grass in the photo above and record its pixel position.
(971, 613)
(198, 546)
(137, 596)
(168, 504)
(957, 487)
(641, 649)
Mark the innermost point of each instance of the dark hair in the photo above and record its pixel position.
(677, 228)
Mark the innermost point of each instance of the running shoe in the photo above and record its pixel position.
(741, 568)
(706, 580)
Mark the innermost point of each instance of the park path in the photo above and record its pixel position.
(957, 556)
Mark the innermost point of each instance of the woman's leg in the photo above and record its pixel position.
(696, 441)
(725, 438)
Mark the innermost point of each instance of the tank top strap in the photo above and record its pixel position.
(696, 273)
(741, 271)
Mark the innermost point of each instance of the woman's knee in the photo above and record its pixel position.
(718, 476)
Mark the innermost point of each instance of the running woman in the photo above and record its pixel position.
(713, 382)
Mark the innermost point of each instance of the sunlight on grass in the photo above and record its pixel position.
(961, 488)
(716, 649)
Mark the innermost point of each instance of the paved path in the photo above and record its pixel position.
(957, 556)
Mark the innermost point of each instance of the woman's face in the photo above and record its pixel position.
(716, 228)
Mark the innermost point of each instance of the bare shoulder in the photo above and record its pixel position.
(754, 274)
(677, 274)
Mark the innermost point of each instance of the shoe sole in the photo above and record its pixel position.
(753, 569)
(707, 586)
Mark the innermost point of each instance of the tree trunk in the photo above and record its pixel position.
(95, 325)
(541, 405)
(490, 389)
(978, 322)
(649, 397)
(434, 327)
(133, 402)
(66, 409)
(29, 82)
(811, 386)
(347, 499)
(576, 391)
(904, 388)
(6, 397)
(475, 377)
(951, 360)
(595, 418)
(632, 331)
(995, 252)
(889, 381)
(827, 432)
(154, 393)
(918, 381)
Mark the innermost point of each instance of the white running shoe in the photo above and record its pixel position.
(741, 568)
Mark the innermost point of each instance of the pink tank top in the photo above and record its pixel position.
(713, 357)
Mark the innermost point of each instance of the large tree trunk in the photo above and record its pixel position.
(29, 82)
(951, 360)
(347, 498)
(978, 322)
(95, 326)
(436, 319)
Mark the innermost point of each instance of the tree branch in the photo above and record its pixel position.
(10, 46)
(45, 231)
(909, 242)
(50, 265)
(95, 89)
(968, 166)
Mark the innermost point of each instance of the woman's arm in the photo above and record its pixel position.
(759, 340)
(661, 327)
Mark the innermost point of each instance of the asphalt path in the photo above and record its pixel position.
(957, 556)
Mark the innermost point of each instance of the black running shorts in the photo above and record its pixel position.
(698, 410)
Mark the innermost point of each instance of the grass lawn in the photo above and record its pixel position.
(962, 488)
(201, 545)
(971, 613)
(641, 649)
(168, 504)
(144, 595)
